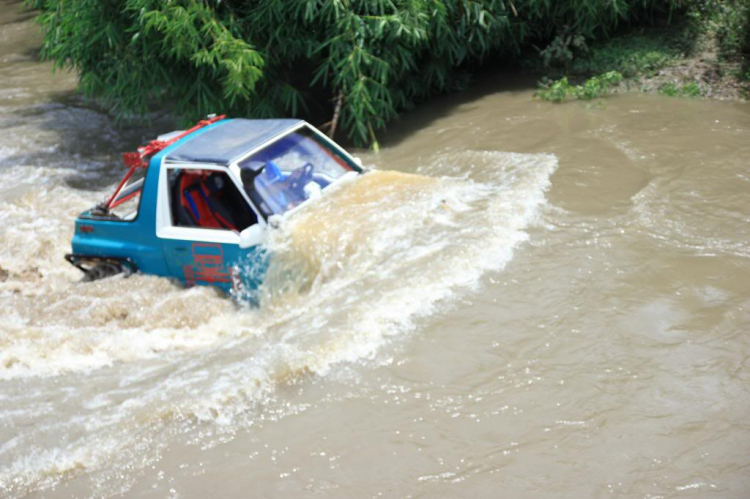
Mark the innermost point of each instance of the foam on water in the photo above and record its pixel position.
(54, 324)
(360, 266)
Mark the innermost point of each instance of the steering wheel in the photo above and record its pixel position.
(300, 177)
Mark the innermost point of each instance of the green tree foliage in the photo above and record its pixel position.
(730, 20)
(264, 58)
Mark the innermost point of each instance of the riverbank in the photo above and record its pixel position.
(703, 55)
(700, 73)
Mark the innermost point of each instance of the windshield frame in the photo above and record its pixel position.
(346, 156)
(234, 166)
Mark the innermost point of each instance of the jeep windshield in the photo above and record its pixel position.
(291, 170)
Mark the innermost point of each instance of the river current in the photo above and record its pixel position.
(520, 300)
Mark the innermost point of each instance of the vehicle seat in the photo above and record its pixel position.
(201, 199)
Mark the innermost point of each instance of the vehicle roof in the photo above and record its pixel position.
(228, 140)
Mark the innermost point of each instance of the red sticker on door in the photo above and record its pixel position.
(208, 264)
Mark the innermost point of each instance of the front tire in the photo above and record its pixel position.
(96, 268)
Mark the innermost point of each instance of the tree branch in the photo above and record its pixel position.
(336, 114)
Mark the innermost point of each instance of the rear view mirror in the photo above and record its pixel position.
(252, 236)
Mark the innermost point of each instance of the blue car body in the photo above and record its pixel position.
(200, 209)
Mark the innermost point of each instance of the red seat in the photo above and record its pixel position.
(196, 200)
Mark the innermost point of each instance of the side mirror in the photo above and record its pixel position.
(252, 236)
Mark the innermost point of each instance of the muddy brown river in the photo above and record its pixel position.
(554, 302)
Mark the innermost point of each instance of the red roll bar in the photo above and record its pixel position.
(140, 158)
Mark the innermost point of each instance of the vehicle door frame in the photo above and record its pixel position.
(165, 229)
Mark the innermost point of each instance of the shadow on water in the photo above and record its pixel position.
(21, 4)
(90, 140)
(33, 53)
(86, 139)
(484, 82)
(45, 122)
(22, 15)
(23, 18)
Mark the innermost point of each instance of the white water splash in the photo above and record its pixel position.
(367, 268)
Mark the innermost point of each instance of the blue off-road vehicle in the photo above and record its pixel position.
(195, 205)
